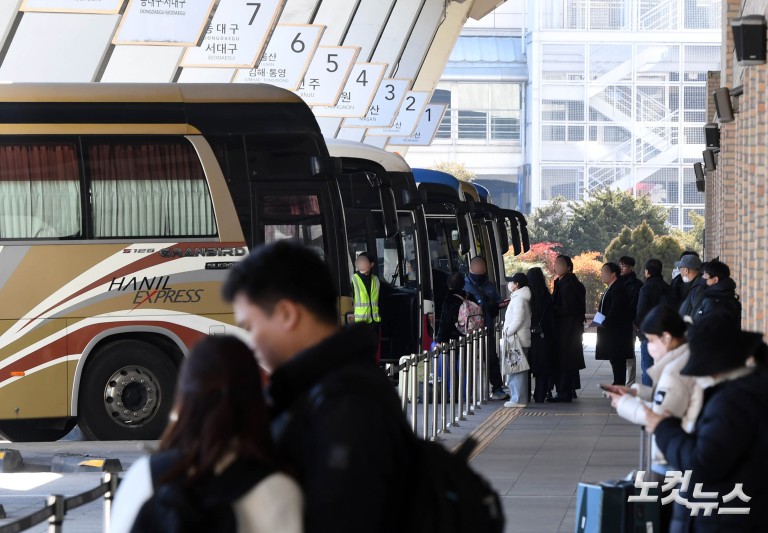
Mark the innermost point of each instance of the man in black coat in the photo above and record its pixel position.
(616, 331)
(569, 305)
(633, 285)
(728, 446)
(337, 421)
(655, 292)
(720, 294)
(679, 287)
(690, 270)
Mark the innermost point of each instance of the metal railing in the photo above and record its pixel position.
(58, 506)
(450, 381)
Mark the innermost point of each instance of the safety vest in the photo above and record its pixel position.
(366, 305)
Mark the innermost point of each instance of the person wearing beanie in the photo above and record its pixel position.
(517, 322)
(726, 453)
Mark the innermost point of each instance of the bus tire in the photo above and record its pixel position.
(127, 392)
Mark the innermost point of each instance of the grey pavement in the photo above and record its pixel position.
(537, 462)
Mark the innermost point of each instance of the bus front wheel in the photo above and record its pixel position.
(127, 392)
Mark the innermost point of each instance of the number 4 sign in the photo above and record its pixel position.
(425, 130)
(327, 74)
(407, 118)
(287, 56)
(358, 92)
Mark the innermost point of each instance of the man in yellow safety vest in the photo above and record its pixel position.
(367, 288)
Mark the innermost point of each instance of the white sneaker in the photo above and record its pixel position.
(515, 404)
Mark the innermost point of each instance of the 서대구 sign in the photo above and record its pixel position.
(108, 7)
(358, 92)
(381, 113)
(426, 128)
(327, 74)
(407, 118)
(286, 58)
(163, 22)
(237, 34)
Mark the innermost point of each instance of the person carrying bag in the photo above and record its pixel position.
(516, 341)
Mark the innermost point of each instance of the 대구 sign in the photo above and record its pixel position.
(163, 22)
(237, 34)
(407, 117)
(426, 128)
(358, 92)
(382, 111)
(327, 74)
(287, 57)
(107, 7)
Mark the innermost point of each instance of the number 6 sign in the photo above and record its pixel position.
(287, 57)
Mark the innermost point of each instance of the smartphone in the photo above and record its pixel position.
(605, 387)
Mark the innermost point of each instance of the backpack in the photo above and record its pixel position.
(449, 496)
(443, 495)
(175, 507)
(470, 317)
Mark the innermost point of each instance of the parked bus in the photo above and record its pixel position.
(382, 217)
(121, 209)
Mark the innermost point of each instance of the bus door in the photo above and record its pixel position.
(446, 255)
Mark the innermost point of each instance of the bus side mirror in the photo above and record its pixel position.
(464, 237)
(325, 165)
(389, 211)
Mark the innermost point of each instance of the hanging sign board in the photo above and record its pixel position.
(408, 116)
(327, 74)
(106, 7)
(286, 58)
(425, 130)
(164, 22)
(236, 36)
(386, 103)
(358, 92)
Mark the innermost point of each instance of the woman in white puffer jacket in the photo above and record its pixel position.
(671, 392)
(517, 321)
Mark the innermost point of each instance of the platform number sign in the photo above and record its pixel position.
(286, 58)
(382, 110)
(104, 7)
(407, 118)
(358, 92)
(327, 74)
(237, 35)
(164, 22)
(425, 130)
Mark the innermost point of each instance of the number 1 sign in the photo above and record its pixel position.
(425, 130)
(287, 57)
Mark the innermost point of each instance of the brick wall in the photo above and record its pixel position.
(737, 199)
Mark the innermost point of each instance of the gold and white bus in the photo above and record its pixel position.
(121, 209)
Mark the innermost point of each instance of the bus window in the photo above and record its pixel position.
(143, 188)
(39, 190)
(479, 243)
(294, 217)
(410, 270)
(444, 245)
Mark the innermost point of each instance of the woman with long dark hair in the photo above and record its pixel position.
(541, 352)
(216, 464)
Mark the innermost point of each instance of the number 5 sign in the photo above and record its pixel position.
(287, 56)
(358, 92)
(327, 74)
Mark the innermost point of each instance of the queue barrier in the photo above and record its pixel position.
(58, 506)
(450, 381)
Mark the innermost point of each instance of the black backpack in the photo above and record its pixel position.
(175, 507)
(444, 494)
(451, 497)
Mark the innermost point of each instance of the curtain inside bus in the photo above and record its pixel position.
(155, 189)
(39, 191)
